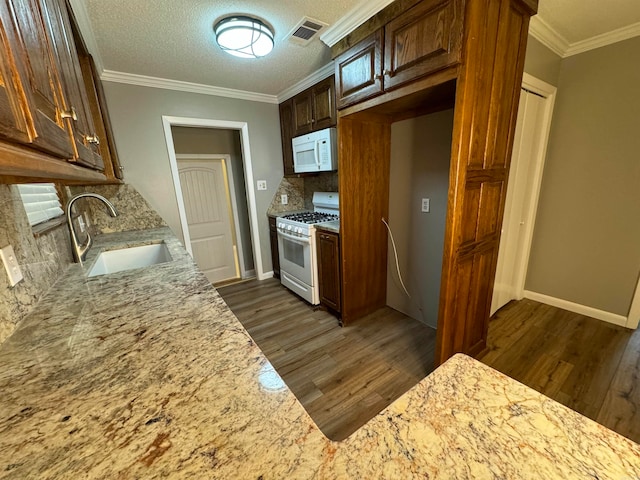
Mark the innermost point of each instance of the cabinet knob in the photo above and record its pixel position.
(388, 73)
(71, 113)
(377, 77)
(92, 139)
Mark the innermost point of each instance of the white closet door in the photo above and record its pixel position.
(526, 162)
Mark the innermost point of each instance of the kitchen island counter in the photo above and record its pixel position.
(148, 374)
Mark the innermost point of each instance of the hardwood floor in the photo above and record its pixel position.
(342, 376)
(590, 366)
(345, 376)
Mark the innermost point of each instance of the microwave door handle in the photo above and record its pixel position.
(318, 153)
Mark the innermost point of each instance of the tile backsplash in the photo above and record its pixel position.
(300, 191)
(42, 259)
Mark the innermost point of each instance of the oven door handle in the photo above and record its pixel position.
(293, 238)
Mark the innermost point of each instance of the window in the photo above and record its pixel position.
(41, 202)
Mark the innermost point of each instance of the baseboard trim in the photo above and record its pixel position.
(577, 308)
(265, 275)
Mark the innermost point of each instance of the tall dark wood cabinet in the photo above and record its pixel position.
(466, 54)
(328, 245)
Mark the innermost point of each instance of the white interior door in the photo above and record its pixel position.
(522, 196)
(207, 202)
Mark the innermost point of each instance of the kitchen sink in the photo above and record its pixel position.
(113, 261)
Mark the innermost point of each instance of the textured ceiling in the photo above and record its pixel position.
(173, 39)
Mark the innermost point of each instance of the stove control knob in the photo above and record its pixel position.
(298, 230)
(288, 227)
(281, 225)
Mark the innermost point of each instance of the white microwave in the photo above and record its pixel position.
(315, 152)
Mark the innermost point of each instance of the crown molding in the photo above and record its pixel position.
(359, 14)
(603, 40)
(545, 34)
(307, 82)
(155, 82)
(84, 25)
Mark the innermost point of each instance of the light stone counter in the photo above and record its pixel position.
(147, 374)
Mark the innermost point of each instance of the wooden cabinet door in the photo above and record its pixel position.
(75, 96)
(275, 254)
(14, 121)
(359, 71)
(286, 132)
(323, 96)
(328, 245)
(302, 113)
(426, 38)
(35, 67)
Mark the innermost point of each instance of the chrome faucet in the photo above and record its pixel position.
(80, 251)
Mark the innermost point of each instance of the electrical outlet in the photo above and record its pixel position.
(11, 264)
(425, 205)
(284, 199)
(262, 184)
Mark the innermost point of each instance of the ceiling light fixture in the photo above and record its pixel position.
(244, 37)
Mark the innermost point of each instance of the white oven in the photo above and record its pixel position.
(298, 264)
(297, 246)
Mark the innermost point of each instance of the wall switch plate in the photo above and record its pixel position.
(425, 205)
(284, 199)
(262, 184)
(11, 264)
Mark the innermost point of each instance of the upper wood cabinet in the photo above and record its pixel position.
(359, 71)
(310, 110)
(286, 132)
(420, 41)
(35, 78)
(315, 108)
(426, 38)
(47, 125)
(80, 122)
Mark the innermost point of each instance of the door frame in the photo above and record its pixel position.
(232, 192)
(243, 127)
(548, 92)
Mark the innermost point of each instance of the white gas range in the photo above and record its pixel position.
(297, 245)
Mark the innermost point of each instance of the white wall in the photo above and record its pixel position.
(136, 114)
(420, 159)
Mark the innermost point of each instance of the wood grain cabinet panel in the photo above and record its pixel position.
(359, 71)
(35, 70)
(14, 124)
(302, 113)
(324, 103)
(426, 38)
(286, 132)
(81, 125)
(275, 254)
(328, 244)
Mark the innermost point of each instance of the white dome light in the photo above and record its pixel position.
(244, 37)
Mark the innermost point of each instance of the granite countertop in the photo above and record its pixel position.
(148, 374)
(332, 226)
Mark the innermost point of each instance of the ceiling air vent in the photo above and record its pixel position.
(306, 30)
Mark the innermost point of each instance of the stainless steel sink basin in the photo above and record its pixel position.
(113, 261)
